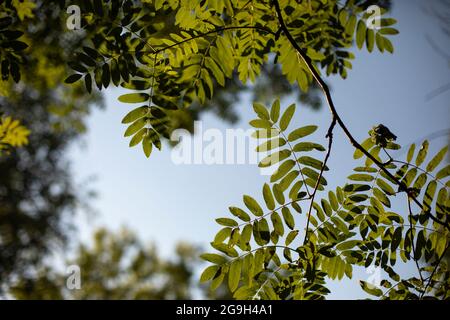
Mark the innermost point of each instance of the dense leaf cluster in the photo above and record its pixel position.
(261, 247)
(171, 66)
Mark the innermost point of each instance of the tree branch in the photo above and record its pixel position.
(337, 118)
(217, 30)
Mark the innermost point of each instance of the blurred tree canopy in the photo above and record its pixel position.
(40, 117)
(119, 266)
(37, 195)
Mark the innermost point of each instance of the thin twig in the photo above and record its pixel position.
(421, 170)
(434, 271)
(324, 165)
(217, 30)
(410, 214)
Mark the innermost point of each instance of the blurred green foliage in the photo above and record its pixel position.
(119, 266)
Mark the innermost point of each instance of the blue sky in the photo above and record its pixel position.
(168, 203)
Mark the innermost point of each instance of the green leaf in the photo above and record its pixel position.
(137, 138)
(288, 218)
(214, 258)
(290, 237)
(385, 187)
(137, 85)
(314, 175)
(218, 74)
(73, 78)
(274, 158)
(271, 144)
(268, 197)
(388, 31)
(420, 181)
(91, 52)
(227, 222)
(115, 74)
(278, 193)
(288, 179)
(333, 200)
(396, 238)
(360, 34)
(360, 177)
(261, 232)
(282, 170)
(98, 78)
(319, 212)
(261, 111)
(420, 244)
(311, 162)
(350, 26)
(275, 111)
(301, 132)
(422, 153)
(440, 245)
(225, 248)
(246, 233)
(154, 137)
(77, 66)
(234, 275)
(379, 40)
(209, 273)
(410, 155)
(135, 127)
(444, 172)
(286, 117)
(307, 146)
(241, 214)
(277, 223)
(381, 196)
(223, 234)
(261, 124)
(88, 82)
(287, 254)
(370, 289)
(106, 75)
(218, 279)
(437, 159)
(367, 144)
(86, 59)
(326, 207)
(134, 97)
(135, 114)
(429, 195)
(265, 133)
(370, 39)
(409, 176)
(347, 245)
(388, 45)
(386, 22)
(253, 206)
(147, 146)
(295, 190)
(263, 228)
